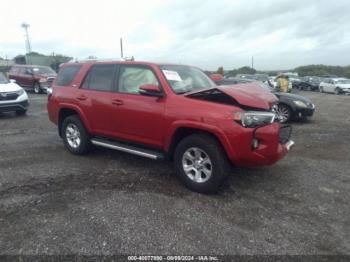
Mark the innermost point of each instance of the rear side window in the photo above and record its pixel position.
(67, 74)
(100, 77)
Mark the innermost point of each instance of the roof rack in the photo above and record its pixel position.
(102, 60)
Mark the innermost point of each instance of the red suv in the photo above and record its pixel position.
(37, 78)
(165, 111)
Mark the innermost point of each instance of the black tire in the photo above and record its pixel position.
(337, 91)
(219, 163)
(84, 144)
(284, 113)
(321, 89)
(37, 88)
(21, 112)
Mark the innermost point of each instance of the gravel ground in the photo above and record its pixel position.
(108, 202)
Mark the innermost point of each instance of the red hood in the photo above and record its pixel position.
(250, 94)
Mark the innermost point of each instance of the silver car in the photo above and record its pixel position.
(335, 85)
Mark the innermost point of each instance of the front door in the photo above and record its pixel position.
(136, 117)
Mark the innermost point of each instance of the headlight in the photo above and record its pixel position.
(43, 80)
(254, 118)
(20, 92)
(300, 103)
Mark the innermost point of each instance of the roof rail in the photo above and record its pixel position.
(95, 60)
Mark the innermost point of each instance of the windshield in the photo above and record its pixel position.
(3, 79)
(43, 70)
(183, 79)
(343, 81)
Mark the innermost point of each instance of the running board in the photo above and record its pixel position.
(127, 148)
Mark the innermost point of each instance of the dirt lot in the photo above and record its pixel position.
(52, 202)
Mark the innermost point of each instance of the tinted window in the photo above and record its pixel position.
(67, 74)
(100, 77)
(28, 71)
(132, 77)
(14, 70)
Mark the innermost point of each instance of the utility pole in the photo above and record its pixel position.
(121, 48)
(27, 40)
(253, 62)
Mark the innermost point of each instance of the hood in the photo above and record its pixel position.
(10, 87)
(292, 96)
(249, 95)
(344, 85)
(46, 75)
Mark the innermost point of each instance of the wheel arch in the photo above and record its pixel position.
(180, 132)
(67, 111)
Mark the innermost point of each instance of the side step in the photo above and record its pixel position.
(127, 148)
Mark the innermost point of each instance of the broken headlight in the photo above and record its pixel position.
(254, 118)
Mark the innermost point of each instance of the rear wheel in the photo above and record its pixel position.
(201, 163)
(283, 113)
(37, 89)
(75, 137)
(321, 89)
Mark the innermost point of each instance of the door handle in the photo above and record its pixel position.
(82, 98)
(117, 102)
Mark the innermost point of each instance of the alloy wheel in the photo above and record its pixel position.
(197, 165)
(73, 135)
(283, 113)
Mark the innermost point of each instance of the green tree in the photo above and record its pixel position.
(220, 70)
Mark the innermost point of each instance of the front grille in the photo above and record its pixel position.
(285, 132)
(7, 96)
(50, 80)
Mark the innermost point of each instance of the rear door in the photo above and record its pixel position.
(26, 76)
(137, 117)
(325, 85)
(94, 97)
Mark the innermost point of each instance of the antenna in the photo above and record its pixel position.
(27, 41)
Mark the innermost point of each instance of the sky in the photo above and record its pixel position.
(279, 34)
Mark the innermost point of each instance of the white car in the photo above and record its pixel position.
(13, 98)
(335, 85)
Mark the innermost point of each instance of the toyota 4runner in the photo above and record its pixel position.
(165, 111)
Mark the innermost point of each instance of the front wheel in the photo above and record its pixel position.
(201, 163)
(283, 113)
(21, 112)
(75, 137)
(337, 91)
(37, 89)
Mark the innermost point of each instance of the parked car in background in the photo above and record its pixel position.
(313, 81)
(335, 85)
(167, 111)
(300, 84)
(32, 77)
(290, 106)
(13, 98)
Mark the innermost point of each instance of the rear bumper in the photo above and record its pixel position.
(273, 144)
(14, 106)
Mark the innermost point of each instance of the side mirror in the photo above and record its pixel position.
(12, 80)
(150, 90)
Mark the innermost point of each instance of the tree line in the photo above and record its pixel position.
(308, 70)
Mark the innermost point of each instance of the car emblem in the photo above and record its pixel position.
(3, 94)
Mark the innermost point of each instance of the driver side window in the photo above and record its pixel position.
(132, 77)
